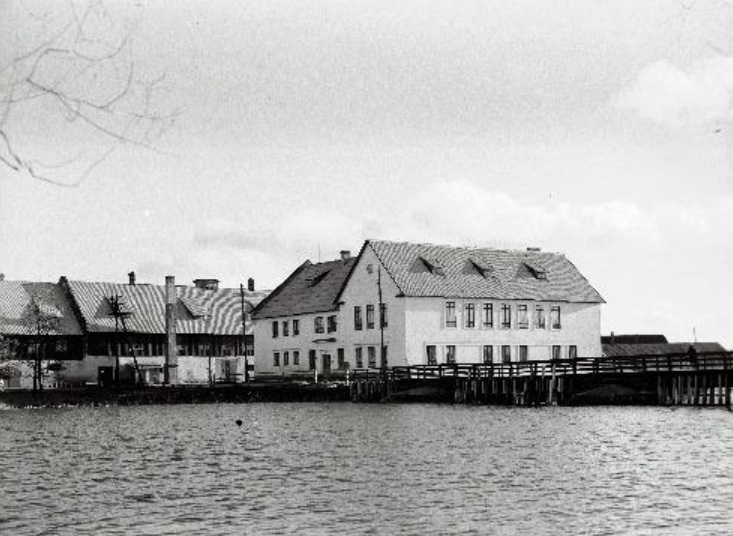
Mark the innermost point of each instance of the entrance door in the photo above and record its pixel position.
(326, 364)
(105, 376)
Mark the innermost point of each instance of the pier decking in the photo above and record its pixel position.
(669, 379)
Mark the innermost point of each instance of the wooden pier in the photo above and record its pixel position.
(669, 379)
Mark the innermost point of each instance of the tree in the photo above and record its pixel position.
(79, 81)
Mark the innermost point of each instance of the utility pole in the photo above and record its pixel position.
(381, 318)
(244, 333)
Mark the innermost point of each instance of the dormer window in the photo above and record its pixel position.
(432, 264)
(481, 267)
(317, 278)
(537, 270)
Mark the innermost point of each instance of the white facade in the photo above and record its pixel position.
(416, 323)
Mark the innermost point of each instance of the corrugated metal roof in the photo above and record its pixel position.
(19, 301)
(509, 277)
(637, 349)
(311, 288)
(222, 313)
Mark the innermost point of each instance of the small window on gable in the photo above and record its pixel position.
(536, 270)
(433, 265)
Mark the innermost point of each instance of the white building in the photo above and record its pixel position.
(441, 305)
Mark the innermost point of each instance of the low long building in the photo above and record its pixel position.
(401, 303)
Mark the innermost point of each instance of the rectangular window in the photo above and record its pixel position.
(276, 359)
(488, 354)
(450, 315)
(61, 347)
(384, 357)
(523, 354)
(296, 327)
(358, 321)
(506, 354)
(332, 323)
(370, 316)
(555, 352)
(286, 359)
(359, 357)
(540, 322)
(318, 324)
(470, 315)
(430, 349)
(340, 358)
(286, 328)
(311, 359)
(450, 354)
(555, 317)
(296, 356)
(372, 354)
(274, 329)
(506, 316)
(383, 315)
(572, 352)
(488, 315)
(522, 317)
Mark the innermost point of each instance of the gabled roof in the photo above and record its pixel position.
(483, 273)
(21, 302)
(217, 312)
(311, 288)
(638, 349)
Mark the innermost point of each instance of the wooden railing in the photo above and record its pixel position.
(704, 361)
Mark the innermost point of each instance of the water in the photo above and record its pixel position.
(343, 468)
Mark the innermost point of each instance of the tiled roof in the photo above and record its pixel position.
(198, 311)
(634, 339)
(19, 300)
(483, 273)
(311, 288)
(637, 349)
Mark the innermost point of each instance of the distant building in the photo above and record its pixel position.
(638, 345)
(36, 319)
(440, 305)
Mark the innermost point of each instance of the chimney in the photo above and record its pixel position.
(534, 249)
(2, 277)
(251, 284)
(170, 371)
(613, 339)
(131, 275)
(206, 284)
(345, 255)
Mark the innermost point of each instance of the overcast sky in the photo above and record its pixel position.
(600, 129)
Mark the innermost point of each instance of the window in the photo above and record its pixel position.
(318, 324)
(358, 321)
(506, 316)
(470, 315)
(286, 329)
(488, 315)
(523, 354)
(372, 354)
(384, 357)
(383, 315)
(450, 354)
(296, 327)
(296, 355)
(540, 322)
(359, 357)
(555, 317)
(311, 359)
(506, 354)
(450, 314)
(340, 358)
(61, 347)
(522, 317)
(572, 352)
(276, 359)
(286, 359)
(555, 352)
(274, 329)
(430, 349)
(370, 316)
(488, 354)
(332, 323)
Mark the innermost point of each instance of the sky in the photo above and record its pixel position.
(599, 129)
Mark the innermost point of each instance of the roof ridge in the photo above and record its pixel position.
(466, 248)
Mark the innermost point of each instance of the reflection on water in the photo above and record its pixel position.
(346, 468)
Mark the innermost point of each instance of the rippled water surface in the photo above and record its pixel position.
(342, 468)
